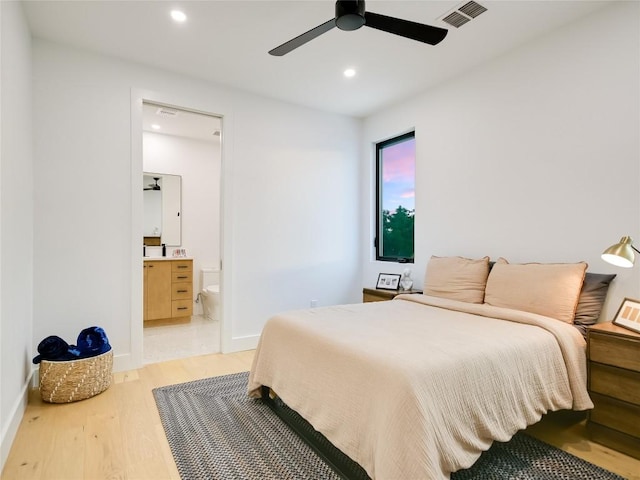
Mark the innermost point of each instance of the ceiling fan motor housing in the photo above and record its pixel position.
(350, 14)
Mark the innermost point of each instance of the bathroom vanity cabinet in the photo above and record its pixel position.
(168, 289)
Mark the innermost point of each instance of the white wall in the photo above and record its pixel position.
(199, 165)
(296, 211)
(534, 156)
(16, 221)
(290, 212)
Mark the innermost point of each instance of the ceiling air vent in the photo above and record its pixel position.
(166, 112)
(456, 19)
(472, 9)
(464, 14)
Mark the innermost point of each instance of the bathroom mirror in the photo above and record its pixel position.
(162, 195)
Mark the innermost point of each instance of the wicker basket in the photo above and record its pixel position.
(73, 380)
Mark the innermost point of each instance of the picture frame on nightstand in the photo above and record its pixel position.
(628, 315)
(388, 281)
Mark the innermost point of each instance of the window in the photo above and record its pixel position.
(395, 201)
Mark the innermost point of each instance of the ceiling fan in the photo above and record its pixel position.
(154, 186)
(351, 15)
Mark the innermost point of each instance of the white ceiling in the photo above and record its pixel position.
(227, 42)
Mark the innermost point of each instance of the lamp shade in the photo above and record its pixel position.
(621, 254)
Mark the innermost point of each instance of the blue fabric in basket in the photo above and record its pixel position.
(93, 341)
(55, 348)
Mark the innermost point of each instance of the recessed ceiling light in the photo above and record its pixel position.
(178, 16)
(349, 72)
(155, 126)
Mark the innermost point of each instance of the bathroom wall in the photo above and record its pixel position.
(198, 163)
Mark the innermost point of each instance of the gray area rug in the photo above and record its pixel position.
(217, 433)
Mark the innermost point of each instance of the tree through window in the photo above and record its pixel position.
(395, 193)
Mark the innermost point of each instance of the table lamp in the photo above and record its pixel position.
(621, 254)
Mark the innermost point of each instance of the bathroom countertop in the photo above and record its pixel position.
(166, 258)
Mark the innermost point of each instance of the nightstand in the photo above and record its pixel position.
(614, 387)
(377, 295)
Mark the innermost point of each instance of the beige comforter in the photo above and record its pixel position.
(418, 387)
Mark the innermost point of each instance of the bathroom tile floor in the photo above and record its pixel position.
(169, 342)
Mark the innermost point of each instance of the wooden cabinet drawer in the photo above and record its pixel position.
(181, 266)
(612, 413)
(181, 291)
(614, 350)
(615, 382)
(181, 277)
(181, 308)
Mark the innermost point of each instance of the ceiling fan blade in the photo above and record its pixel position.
(405, 28)
(304, 38)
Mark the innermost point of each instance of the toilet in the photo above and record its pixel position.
(210, 292)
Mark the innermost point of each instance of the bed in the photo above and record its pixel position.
(418, 387)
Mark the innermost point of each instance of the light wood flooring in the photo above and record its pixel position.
(118, 434)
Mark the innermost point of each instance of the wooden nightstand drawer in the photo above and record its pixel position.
(613, 438)
(379, 295)
(366, 297)
(614, 350)
(615, 382)
(614, 386)
(621, 416)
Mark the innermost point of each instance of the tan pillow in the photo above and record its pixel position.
(549, 289)
(457, 278)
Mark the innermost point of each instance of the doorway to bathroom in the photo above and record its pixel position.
(181, 162)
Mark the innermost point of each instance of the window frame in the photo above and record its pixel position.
(378, 206)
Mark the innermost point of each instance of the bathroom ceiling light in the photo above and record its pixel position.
(349, 72)
(178, 16)
(155, 126)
